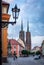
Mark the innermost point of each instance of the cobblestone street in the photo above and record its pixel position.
(24, 61)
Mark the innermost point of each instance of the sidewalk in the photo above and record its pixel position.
(11, 61)
(41, 61)
(6, 63)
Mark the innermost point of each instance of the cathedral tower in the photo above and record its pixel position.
(21, 33)
(28, 38)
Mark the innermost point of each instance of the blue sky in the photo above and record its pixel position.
(32, 11)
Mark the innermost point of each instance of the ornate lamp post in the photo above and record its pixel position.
(15, 12)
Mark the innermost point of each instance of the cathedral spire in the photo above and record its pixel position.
(21, 25)
(27, 26)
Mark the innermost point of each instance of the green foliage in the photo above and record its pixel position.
(25, 52)
(38, 52)
(32, 53)
(29, 52)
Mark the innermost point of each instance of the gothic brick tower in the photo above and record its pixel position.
(21, 33)
(28, 38)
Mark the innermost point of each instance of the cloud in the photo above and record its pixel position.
(36, 40)
(33, 10)
(8, 1)
(10, 29)
(11, 19)
(37, 29)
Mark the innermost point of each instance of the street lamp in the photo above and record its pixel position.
(15, 12)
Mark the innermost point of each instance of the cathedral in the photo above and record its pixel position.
(28, 36)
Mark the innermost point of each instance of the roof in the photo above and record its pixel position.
(16, 42)
(13, 41)
(36, 47)
(21, 42)
(3, 2)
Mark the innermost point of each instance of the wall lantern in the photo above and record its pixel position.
(15, 14)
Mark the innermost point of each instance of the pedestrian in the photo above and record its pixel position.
(14, 55)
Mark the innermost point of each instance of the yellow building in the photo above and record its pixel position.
(5, 18)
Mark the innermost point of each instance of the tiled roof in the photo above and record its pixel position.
(36, 47)
(13, 41)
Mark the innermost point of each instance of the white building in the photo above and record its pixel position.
(36, 48)
(22, 44)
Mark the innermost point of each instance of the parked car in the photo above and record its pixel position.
(37, 57)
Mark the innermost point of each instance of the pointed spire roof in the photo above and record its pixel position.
(21, 25)
(27, 26)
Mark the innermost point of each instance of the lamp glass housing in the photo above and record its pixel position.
(4, 10)
(15, 12)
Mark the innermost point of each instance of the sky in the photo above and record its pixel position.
(32, 11)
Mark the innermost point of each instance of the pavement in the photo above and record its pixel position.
(24, 61)
(41, 61)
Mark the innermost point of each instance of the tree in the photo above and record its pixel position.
(32, 53)
(25, 52)
(38, 52)
(29, 52)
